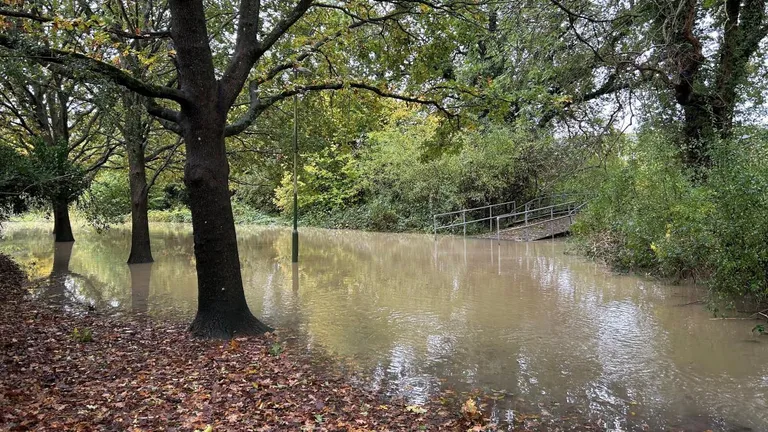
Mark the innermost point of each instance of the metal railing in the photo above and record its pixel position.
(464, 222)
(530, 211)
(536, 216)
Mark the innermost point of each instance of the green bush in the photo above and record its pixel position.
(396, 182)
(329, 180)
(243, 215)
(175, 214)
(83, 335)
(650, 215)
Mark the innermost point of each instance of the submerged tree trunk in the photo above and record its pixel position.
(62, 228)
(141, 250)
(222, 311)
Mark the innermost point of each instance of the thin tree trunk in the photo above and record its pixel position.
(62, 228)
(222, 311)
(141, 250)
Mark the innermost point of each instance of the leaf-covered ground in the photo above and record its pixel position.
(146, 375)
(84, 371)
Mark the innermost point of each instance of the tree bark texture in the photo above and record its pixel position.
(222, 311)
(135, 143)
(62, 227)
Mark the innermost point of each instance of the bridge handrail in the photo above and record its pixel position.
(475, 208)
(552, 215)
(527, 206)
(508, 215)
(464, 220)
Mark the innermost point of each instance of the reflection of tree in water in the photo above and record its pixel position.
(519, 317)
(65, 287)
(54, 288)
(141, 275)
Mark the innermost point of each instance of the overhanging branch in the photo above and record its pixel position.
(158, 34)
(258, 105)
(48, 56)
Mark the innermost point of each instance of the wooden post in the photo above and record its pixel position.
(464, 221)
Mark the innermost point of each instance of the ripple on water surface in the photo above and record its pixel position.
(548, 330)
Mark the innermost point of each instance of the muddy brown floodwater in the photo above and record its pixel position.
(551, 334)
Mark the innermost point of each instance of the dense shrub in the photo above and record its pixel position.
(650, 215)
(394, 183)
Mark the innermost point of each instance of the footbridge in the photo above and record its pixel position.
(539, 218)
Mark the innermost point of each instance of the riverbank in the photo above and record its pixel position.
(77, 370)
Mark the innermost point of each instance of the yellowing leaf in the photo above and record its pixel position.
(415, 409)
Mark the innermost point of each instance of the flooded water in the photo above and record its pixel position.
(554, 334)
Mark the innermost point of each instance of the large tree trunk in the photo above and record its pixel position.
(222, 311)
(709, 105)
(141, 251)
(62, 228)
(698, 134)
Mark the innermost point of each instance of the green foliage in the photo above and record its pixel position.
(175, 214)
(83, 335)
(55, 176)
(739, 188)
(276, 349)
(172, 195)
(108, 200)
(243, 213)
(649, 215)
(329, 180)
(759, 329)
(247, 215)
(14, 182)
(397, 181)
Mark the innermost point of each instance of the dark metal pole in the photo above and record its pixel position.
(295, 236)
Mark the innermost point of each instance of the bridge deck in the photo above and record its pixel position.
(536, 231)
(539, 218)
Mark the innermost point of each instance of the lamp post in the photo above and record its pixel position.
(295, 234)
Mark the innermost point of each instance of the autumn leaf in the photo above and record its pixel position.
(469, 410)
(415, 409)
